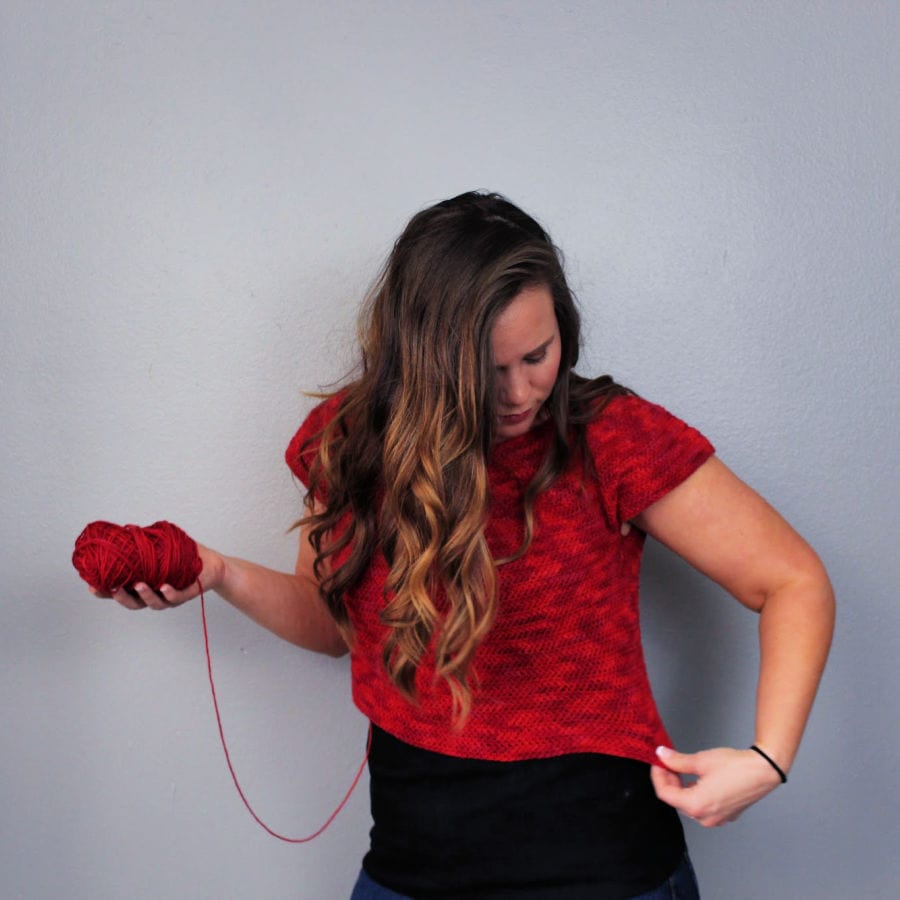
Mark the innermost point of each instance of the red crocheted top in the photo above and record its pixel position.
(562, 670)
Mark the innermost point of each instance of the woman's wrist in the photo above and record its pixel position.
(780, 744)
(770, 761)
(215, 573)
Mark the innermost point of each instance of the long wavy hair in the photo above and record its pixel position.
(403, 464)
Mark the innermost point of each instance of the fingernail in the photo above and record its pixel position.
(664, 752)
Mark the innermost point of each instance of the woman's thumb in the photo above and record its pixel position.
(683, 763)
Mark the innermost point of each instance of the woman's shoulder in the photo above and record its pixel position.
(623, 408)
(626, 430)
(623, 412)
(640, 451)
(304, 445)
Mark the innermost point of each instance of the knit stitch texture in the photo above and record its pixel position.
(562, 670)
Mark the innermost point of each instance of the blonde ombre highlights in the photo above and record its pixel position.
(402, 467)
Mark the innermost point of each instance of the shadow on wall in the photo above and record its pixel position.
(701, 650)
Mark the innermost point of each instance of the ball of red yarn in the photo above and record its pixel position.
(109, 557)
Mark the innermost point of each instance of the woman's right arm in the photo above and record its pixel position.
(287, 604)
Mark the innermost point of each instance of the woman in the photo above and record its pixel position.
(476, 513)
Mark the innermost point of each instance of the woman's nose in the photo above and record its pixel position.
(513, 389)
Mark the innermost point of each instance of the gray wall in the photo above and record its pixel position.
(195, 196)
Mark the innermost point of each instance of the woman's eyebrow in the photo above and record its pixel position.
(541, 347)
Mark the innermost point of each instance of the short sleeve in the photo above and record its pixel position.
(640, 452)
(304, 445)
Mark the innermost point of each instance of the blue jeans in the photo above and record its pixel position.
(680, 885)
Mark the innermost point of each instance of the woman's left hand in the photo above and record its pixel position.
(727, 782)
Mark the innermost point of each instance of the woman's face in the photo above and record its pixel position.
(526, 349)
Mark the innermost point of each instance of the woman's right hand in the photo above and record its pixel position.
(286, 603)
(142, 596)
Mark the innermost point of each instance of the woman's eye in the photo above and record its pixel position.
(534, 360)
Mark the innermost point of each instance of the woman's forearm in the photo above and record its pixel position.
(795, 628)
(287, 604)
(796, 622)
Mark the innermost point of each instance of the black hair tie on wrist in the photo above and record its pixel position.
(771, 762)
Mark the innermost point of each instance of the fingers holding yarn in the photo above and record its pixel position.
(128, 599)
(150, 598)
(121, 596)
(174, 597)
(141, 596)
(166, 597)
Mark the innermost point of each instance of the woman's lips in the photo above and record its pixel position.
(516, 419)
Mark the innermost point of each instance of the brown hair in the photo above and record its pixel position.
(403, 465)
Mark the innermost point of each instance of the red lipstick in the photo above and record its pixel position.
(516, 419)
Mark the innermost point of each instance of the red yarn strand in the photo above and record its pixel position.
(234, 778)
(109, 557)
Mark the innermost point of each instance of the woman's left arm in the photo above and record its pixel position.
(727, 531)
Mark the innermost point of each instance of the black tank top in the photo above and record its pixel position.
(583, 826)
